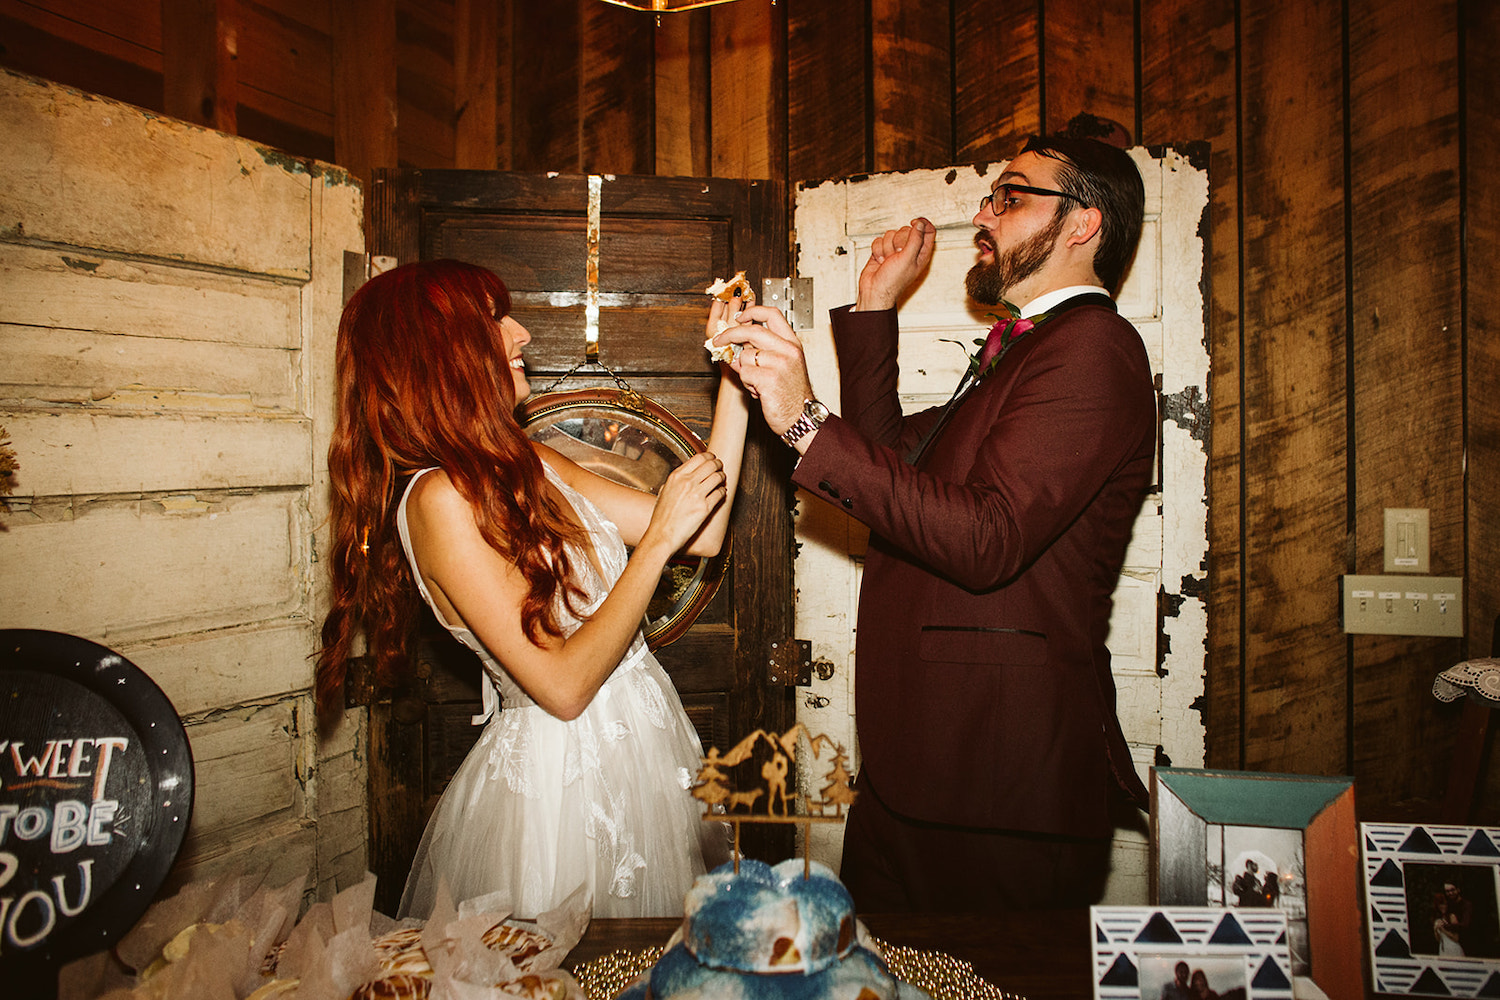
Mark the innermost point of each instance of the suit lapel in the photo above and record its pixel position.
(968, 384)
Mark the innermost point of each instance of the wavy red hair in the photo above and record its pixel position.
(424, 381)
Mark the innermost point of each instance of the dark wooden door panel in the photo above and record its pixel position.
(661, 242)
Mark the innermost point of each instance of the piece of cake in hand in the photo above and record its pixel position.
(769, 933)
(724, 290)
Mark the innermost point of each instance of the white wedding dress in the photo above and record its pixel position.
(541, 806)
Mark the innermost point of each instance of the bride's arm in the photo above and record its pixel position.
(476, 586)
(630, 509)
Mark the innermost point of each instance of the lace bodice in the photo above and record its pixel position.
(609, 549)
(543, 807)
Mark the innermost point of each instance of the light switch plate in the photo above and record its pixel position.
(1406, 546)
(1388, 604)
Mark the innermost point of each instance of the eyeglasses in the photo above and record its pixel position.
(998, 200)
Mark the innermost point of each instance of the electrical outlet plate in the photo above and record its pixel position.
(1406, 547)
(1388, 604)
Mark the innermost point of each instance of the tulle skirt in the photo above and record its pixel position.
(541, 806)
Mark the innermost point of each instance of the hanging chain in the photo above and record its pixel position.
(629, 396)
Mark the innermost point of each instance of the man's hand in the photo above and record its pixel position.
(897, 258)
(771, 365)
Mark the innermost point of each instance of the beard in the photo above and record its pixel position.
(989, 283)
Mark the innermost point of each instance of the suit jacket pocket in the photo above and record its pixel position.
(972, 644)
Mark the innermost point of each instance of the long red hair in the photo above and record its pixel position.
(423, 381)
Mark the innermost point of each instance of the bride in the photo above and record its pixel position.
(580, 776)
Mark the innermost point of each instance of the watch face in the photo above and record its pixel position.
(816, 410)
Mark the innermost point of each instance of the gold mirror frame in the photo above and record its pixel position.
(623, 436)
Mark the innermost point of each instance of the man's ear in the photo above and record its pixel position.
(1084, 227)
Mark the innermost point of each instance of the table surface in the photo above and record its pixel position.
(1039, 955)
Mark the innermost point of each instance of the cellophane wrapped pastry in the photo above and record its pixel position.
(234, 937)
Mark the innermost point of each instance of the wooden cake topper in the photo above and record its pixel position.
(769, 801)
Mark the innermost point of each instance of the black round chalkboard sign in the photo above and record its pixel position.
(96, 792)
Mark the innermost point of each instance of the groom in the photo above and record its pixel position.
(998, 526)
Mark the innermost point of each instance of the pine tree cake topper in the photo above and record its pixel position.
(727, 784)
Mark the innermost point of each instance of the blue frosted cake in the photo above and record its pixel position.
(769, 933)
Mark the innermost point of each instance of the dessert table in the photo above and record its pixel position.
(1039, 955)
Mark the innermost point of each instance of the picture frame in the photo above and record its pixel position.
(1214, 833)
(1432, 893)
(1239, 954)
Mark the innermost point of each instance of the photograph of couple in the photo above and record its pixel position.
(1193, 978)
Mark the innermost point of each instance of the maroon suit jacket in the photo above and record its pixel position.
(984, 695)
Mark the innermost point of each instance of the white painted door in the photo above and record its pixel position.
(1166, 565)
(169, 297)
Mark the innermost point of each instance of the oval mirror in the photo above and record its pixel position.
(623, 436)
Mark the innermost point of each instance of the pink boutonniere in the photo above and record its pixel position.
(995, 343)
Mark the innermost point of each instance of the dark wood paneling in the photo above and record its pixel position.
(747, 100)
(285, 63)
(617, 89)
(1188, 47)
(364, 88)
(128, 32)
(1406, 303)
(476, 65)
(682, 142)
(1089, 61)
(426, 101)
(258, 127)
(912, 85)
(828, 124)
(199, 50)
(69, 58)
(1295, 392)
(505, 86)
(997, 95)
(544, 87)
(1481, 129)
(396, 785)
(316, 15)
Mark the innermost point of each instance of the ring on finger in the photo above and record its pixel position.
(757, 357)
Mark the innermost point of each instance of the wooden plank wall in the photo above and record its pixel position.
(1351, 233)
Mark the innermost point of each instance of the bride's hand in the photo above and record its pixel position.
(691, 493)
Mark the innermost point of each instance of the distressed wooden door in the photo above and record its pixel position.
(657, 243)
(168, 298)
(1158, 629)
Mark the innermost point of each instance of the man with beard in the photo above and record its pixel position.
(998, 526)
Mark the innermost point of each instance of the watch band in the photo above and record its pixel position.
(812, 416)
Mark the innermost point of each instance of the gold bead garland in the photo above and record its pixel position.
(940, 974)
(604, 977)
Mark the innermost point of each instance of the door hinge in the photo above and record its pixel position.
(793, 296)
(791, 662)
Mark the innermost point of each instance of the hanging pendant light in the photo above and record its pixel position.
(659, 6)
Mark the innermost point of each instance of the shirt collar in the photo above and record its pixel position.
(1047, 300)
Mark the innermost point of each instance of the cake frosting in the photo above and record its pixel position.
(786, 932)
(725, 289)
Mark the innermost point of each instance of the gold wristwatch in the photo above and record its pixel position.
(813, 415)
